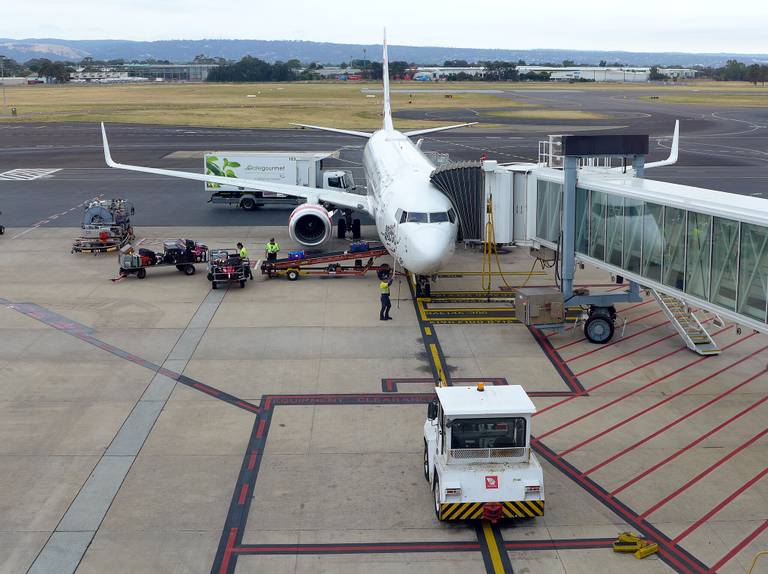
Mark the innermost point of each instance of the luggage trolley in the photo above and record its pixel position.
(180, 253)
(225, 266)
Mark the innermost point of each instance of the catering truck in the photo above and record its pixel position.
(288, 167)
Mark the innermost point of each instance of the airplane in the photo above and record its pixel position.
(414, 220)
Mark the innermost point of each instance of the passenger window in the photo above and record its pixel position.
(439, 217)
(417, 218)
(334, 182)
(403, 216)
(451, 215)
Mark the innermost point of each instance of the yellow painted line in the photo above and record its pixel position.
(468, 309)
(493, 549)
(438, 364)
(427, 331)
(474, 273)
(422, 311)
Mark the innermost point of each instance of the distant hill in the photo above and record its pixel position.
(325, 52)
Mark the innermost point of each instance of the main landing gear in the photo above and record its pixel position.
(600, 324)
(348, 225)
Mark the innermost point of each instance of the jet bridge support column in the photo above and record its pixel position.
(568, 245)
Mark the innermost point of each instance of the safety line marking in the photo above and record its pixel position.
(617, 341)
(26, 174)
(492, 555)
(736, 549)
(677, 421)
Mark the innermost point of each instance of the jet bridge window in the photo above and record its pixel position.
(488, 433)
(438, 217)
(417, 218)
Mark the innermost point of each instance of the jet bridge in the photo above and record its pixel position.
(692, 247)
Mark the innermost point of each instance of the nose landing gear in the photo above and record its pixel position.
(423, 288)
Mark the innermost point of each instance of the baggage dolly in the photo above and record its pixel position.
(226, 265)
(329, 264)
(182, 254)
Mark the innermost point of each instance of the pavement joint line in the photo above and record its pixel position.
(90, 506)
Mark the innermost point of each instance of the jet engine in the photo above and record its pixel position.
(310, 225)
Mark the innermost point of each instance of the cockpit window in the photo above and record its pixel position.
(438, 217)
(403, 217)
(417, 218)
(451, 215)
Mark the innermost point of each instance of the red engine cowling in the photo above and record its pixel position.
(310, 225)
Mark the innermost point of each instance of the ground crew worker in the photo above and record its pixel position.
(243, 252)
(386, 304)
(271, 250)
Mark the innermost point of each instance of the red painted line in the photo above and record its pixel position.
(703, 473)
(620, 376)
(622, 313)
(247, 406)
(252, 459)
(736, 549)
(206, 389)
(661, 402)
(268, 404)
(260, 430)
(243, 494)
(720, 506)
(678, 421)
(355, 548)
(689, 446)
(617, 341)
(228, 551)
(625, 355)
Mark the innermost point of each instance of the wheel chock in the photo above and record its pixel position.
(628, 537)
(628, 547)
(647, 550)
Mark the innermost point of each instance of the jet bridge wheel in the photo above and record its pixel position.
(599, 326)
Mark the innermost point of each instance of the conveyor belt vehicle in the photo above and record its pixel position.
(477, 454)
(329, 263)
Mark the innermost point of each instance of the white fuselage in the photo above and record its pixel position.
(398, 181)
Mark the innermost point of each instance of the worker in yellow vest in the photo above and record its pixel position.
(243, 253)
(386, 304)
(271, 249)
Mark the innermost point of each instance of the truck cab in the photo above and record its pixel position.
(337, 179)
(477, 454)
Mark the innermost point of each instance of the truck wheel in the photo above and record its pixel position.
(598, 329)
(141, 273)
(209, 276)
(248, 204)
(242, 284)
(355, 229)
(342, 229)
(292, 275)
(189, 270)
(426, 462)
(436, 495)
(214, 285)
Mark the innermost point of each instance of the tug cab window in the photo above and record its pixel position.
(488, 433)
(438, 217)
(417, 218)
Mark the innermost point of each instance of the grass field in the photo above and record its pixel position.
(330, 103)
(233, 105)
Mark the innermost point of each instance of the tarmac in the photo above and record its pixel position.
(158, 426)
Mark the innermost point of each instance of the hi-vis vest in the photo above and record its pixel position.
(244, 253)
(384, 288)
(273, 247)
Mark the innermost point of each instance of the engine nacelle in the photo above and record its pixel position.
(310, 225)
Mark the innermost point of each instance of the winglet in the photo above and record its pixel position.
(673, 152)
(107, 155)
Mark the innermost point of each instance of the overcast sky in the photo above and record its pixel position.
(647, 26)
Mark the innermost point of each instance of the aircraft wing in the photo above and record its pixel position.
(340, 199)
(426, 131)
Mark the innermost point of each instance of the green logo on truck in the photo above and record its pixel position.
(223, 168)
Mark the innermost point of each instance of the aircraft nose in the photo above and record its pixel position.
(429, 248)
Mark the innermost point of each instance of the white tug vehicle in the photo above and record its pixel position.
(477, 454)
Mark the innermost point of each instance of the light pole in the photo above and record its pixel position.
(2, 79)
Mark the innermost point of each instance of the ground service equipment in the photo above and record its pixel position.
(327, 263)
(292, 168)
(106, 226)
(180, 253)
(226, 265)
(477, 454)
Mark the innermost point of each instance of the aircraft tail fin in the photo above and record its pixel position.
(388, 126)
